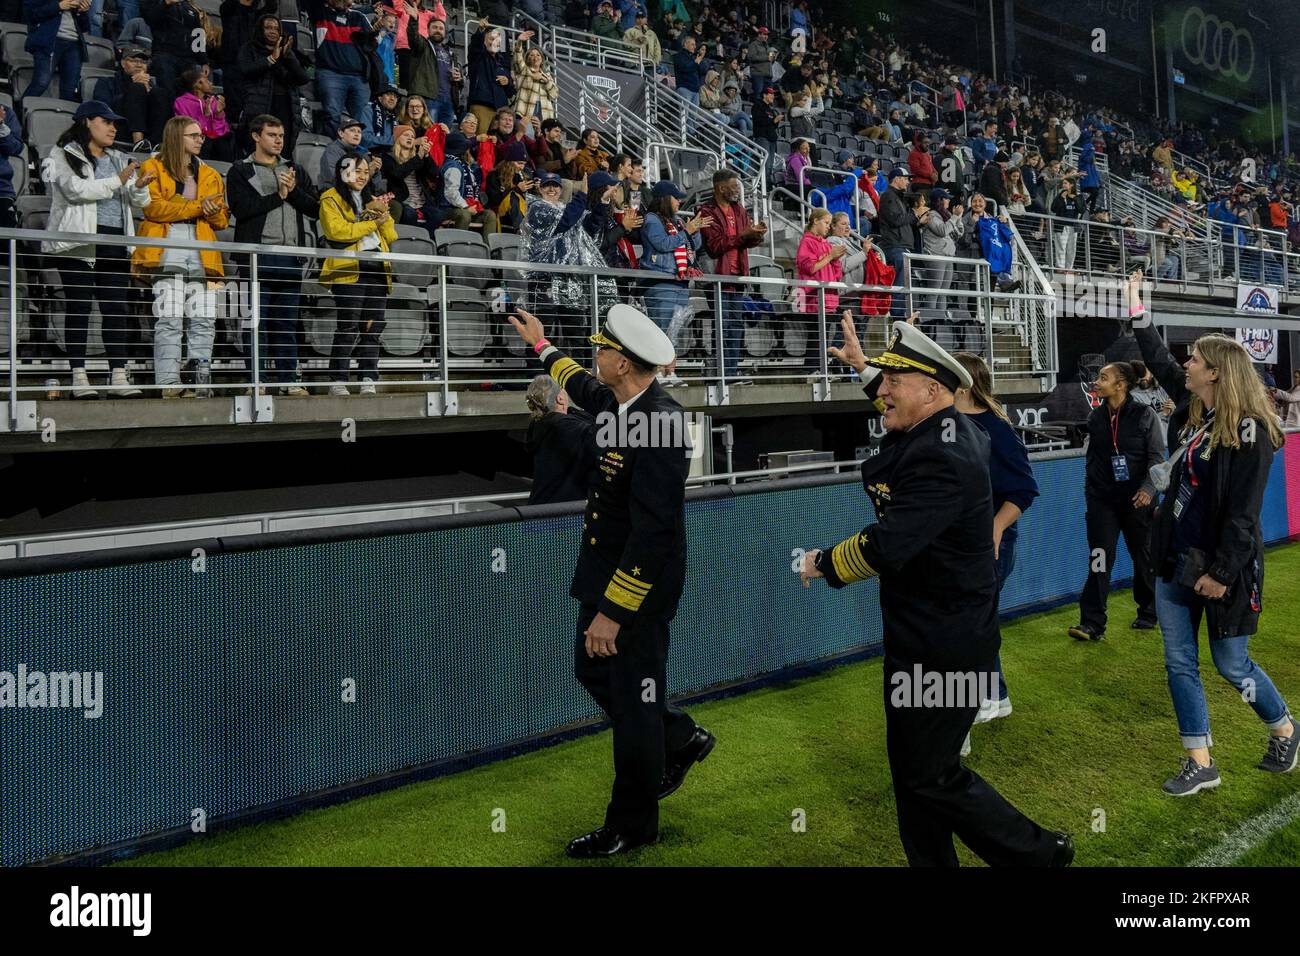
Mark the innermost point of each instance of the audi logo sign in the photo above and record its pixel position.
(1218, 45)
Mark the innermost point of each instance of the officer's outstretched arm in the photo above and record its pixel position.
(572, 377)
(924, 501)
(655, 508)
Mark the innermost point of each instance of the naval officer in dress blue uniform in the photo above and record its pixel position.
(932, 548)
(631, 567)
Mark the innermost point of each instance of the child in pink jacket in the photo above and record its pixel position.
(206, 109)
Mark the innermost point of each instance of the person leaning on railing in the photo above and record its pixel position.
(187, 203)
(94, 189)
(352, 217)
(271, 198)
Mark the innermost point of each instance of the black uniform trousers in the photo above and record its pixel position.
(1105, 521)
(938, 797)
(645, 732)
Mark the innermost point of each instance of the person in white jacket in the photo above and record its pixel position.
(94, 189)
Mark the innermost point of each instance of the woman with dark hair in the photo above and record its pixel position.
(206, 109)
(669, 244)
(590, 157)
(1014, 490)
(187, 201)
(1125, 439)
(352, 217)
(94, 189)
(1207, 550)
(560, 439)
(271, 75)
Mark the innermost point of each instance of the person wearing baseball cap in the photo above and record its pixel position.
(767, 117)
(631, 567)
(349, 141)
(95, 189)
(897, 225)
(640, 34)
(931, 547)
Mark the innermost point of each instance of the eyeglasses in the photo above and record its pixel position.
(194, 135)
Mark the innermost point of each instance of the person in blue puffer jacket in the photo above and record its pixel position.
(1090, 185)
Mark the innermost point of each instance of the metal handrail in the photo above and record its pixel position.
(857, 208)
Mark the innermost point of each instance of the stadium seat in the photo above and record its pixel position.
(90, 80)
(34, 104)
(45, 126)
(407, 330)
(28, 205)
(318, 316)
(501, 244)
(414, 240)
(19, 166)
(469, 329)
(220, 166)
(308, 156)
(14, 55)
(315, 139)
(99, 52)
(464, 244)
(828, 138)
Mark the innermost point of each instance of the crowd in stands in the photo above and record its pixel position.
(420, 136)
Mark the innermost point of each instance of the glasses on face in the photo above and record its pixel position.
(197, 134)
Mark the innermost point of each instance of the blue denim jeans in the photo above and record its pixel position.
(443, 111)
(742, 123)
(1174, 605)
(663, 300)
(67, 56)
(733, 333)
(343, 93)
(1006, 564)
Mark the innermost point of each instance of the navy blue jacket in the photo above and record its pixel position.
(484, 68)
(43, 18)
(1010, 474)
(687, 71)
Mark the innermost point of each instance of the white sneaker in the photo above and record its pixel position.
(965, 746)
(367, 386)
(294, 391)
(81, 387)
(992, 710)
(338, 388)
(123, 381)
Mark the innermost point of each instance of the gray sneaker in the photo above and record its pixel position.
(1281, 754)
(1193, 778)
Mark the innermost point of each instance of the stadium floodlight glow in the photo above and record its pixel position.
(1218, 44)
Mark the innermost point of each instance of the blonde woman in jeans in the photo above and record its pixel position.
(1208, 553)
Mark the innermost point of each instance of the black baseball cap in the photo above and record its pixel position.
(95, 109)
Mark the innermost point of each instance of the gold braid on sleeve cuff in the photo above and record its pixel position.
(626, 591)
(848, 562)
(564, 369)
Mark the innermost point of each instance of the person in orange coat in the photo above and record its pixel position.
(186, 201)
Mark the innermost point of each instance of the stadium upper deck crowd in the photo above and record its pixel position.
(441, 141)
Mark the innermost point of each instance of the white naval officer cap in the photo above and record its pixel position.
(911, 350)
(636, 335)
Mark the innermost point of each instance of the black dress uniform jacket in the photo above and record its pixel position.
(633, 556)
(931, 545)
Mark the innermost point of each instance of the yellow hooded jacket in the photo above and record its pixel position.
(339, 223)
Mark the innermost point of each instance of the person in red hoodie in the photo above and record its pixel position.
(921, 164)
(728, 242)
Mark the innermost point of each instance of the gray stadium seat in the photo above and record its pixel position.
(308, 156)
(407, 330)
(500, 243)
(44, 127)
(19, 166)
(99, 52)
(314, 138)
(464, 244)
(414, 240)
(469, 328)
(220, 166)
(35, 103)
(90, 84)
(12, 44)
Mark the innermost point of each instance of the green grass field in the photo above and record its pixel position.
(1093, 733)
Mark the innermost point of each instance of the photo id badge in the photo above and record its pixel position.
(1119, 465)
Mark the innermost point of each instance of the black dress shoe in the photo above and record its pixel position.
(1144, 624)
(602, 841)
(1064, 854)
(1085, 632)
(680, 761)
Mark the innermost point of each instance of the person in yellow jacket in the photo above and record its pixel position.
(352, 217)
(1186, 183)
(187, 200)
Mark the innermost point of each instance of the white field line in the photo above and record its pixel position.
(1250, 834)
